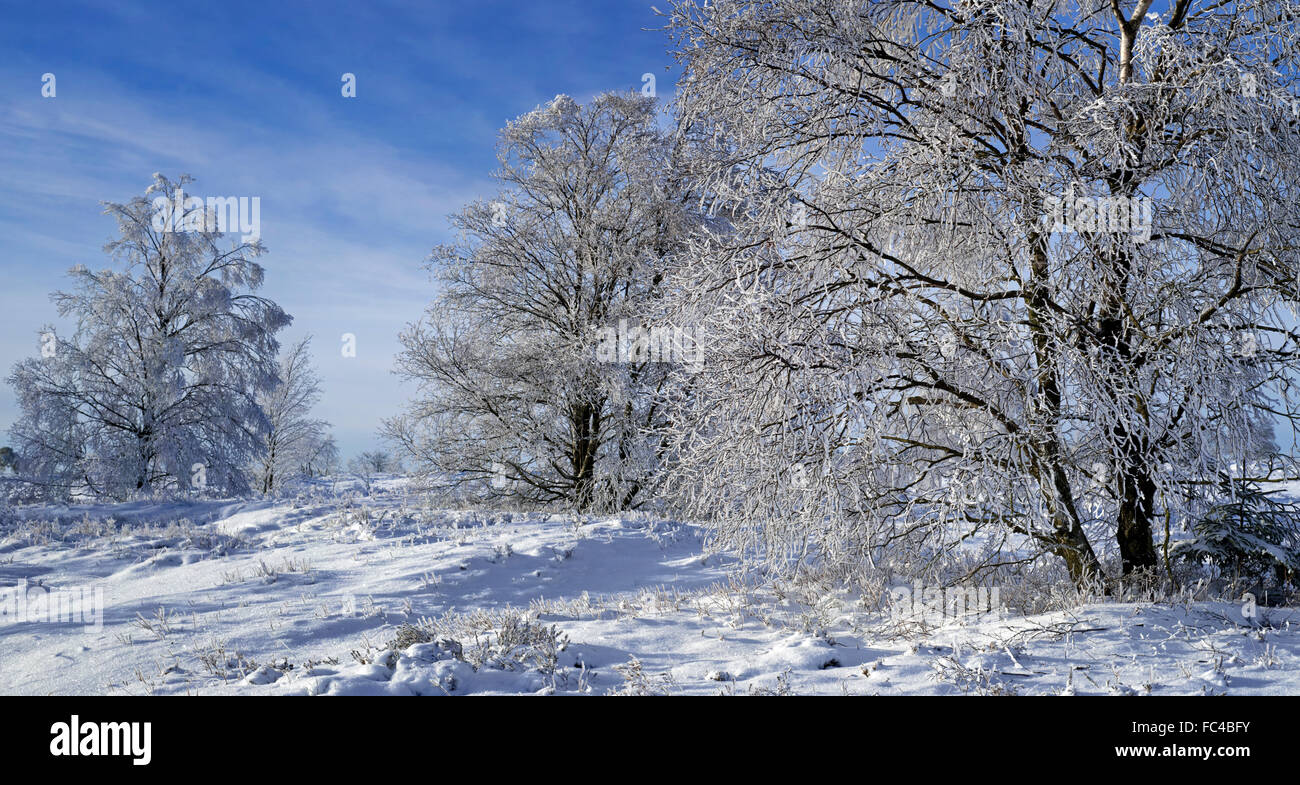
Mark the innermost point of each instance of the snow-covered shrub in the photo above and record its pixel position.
(637, 682)
(507, 639)
(1249, 538)
(781, 688)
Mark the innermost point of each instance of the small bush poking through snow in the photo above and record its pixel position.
(637, 682)
(508, 639)
(782, 688)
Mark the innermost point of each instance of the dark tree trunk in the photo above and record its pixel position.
(586, 425)
(1134, 534)
(1070, 542)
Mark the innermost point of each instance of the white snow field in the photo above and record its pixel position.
(334, 595)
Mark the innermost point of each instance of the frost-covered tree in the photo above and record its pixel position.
(157, 388)
(538, 365)
(50, 438)
(320, 457)
(367, 465)
(375, 461)
(296, 443)
(1005, 272)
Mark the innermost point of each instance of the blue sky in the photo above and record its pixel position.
(246, 98)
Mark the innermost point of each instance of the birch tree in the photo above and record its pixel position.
(157, 388)
(295, 441)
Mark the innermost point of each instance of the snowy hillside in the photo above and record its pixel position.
(333, 594)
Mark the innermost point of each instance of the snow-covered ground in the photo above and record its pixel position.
(337, 594)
